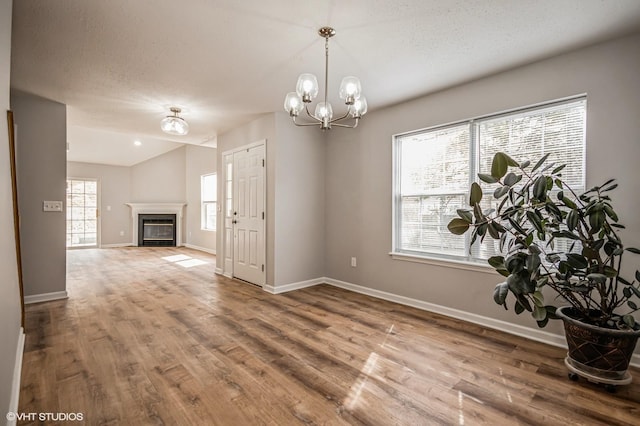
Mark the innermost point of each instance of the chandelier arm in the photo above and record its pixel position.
(304, 124)
(348, 126)
(306, 108)
(346, 114)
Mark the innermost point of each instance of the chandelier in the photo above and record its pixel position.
(307, 90)
(174, 124)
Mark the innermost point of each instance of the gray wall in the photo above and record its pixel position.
(300, 202)
(41, 146)
(359, 169)
(199, 161)
(114, 187)
(9, 293)
(160, 179)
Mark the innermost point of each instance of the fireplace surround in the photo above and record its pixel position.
(157, 211)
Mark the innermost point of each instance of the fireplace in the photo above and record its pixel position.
(162, 226)
(157, 230)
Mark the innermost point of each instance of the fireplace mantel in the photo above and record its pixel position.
(157, 208)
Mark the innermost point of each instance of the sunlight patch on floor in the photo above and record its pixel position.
(191, 263)
(177, 258)
(356, 389)
(504, 382)
(386, 337)
(461, 397)
(184, 260)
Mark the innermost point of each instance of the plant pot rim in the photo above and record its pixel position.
(562, 313)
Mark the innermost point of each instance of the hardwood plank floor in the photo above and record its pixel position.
(144, 340)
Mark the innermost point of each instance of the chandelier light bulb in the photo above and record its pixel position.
(359, 107)
(293, 104)
(350, 89)
(324, 111)
(307, 87)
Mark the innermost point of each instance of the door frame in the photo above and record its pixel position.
(227, 250)
(16, 212)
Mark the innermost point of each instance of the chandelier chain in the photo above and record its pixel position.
(326, 68)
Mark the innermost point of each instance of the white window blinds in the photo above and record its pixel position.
(435, 167)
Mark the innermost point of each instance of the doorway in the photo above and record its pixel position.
(244, 218)
(82, 213)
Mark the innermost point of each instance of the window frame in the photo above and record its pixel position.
(468, 261)
(205, 203)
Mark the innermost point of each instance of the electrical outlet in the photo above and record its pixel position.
(122, 233)
(354, 263)
(52, 206)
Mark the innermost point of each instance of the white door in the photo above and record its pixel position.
(249, 215)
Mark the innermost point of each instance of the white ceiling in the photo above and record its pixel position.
(92, 145)
(120, 64)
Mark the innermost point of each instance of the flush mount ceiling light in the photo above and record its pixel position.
(174, 124)
(307, 90)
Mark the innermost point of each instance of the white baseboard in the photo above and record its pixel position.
(204, 249)
(220, 271)
(553, 339)
(116, 245)
(17, 373)
(45, 297)
(518, 330)
(293, 286)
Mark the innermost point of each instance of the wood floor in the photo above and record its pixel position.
(143, 339)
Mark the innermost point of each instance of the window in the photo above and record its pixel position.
(209, 187)
(434, 169)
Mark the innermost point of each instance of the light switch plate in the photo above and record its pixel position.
(52, 206)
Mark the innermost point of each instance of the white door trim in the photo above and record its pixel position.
(226, 252)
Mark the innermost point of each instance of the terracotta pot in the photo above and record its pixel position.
(597, 351)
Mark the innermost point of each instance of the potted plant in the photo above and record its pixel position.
(556, 242)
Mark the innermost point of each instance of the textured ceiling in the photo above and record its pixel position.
(120, 64)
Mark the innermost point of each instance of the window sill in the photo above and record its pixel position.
(447, 263)
(207, 230)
